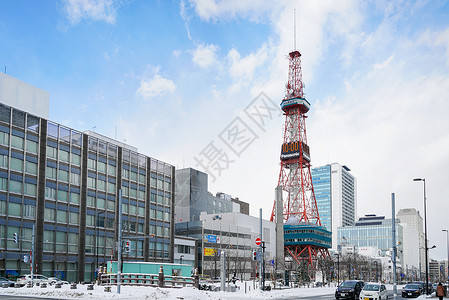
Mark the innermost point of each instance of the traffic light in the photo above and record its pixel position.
(127, 246)
(254, 255)
(16, 239)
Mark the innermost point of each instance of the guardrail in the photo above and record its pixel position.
(155, 280)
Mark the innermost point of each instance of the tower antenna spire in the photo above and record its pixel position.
(294, 28)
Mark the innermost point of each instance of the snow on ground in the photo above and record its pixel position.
(187, 293)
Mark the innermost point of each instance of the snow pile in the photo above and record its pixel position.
(147, 293)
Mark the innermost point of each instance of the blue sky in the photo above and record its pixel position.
(169, 77)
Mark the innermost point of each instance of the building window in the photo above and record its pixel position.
(91, 182)
(14, 209)
(141, 195)
(3, 161)
(74, 217)
(63, 155)
(101, 185)
(75, 178)
(125, 174)
(16, 164)
(111, 170)
(90, 201)
(50, 172)
(16, 142)
(76, 159)
(50, 193)
(74, 198)
(31, 167)
(3, 207)
(133, 193)
(111, 188)
(15, 186)
(184, 249)
(49, 239)
(91, 164)
(61, 216)
(101, 203)
(29, 211)
(102, 167)
(142, 178)
(73, 242)
(49, 214)
(141, 211)
(4, 138)
(3, 184)
(63, 196)
(61, 241)
(32, 146)
(133, 176)
(52, 152)
(30, 189)
(63, 175)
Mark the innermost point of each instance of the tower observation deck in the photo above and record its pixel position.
(304, 237)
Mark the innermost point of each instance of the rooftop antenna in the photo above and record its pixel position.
(294, 27)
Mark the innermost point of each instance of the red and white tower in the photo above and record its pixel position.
(304, 237)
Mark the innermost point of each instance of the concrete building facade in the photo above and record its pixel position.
(66, 184)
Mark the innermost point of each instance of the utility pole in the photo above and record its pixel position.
(119, 250)
(393, 255)
(32, 253)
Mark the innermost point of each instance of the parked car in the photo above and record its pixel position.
(374, 291)
(37, 278)
(54, 280)
(349, 289)
(421, 285)
(431, 289)
(411, 290)
(6, 280)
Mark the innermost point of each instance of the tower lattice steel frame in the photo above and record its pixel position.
(295, 177)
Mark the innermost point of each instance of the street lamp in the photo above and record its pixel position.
(447, 241)
(338, 267)
(425, 234)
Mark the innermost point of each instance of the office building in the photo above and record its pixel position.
(232, 232)
(413, 219)
(185, 249)
(336, 197)
(192, 197)
(374, 231)
(65, 184)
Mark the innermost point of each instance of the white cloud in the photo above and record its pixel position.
(97, 10)
(242, 68)
(205, 55)
(227, 9)
(155, 86)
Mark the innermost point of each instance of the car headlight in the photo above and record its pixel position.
(351, 290)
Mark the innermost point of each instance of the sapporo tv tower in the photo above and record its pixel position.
(305, 240)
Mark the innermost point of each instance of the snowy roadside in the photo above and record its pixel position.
(141, 293)
(187, 293)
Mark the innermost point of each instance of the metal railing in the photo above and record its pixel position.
(155, 280)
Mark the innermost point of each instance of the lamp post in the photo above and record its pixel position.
(375, 263)
(425, 234)
(447, 241)
(338, 267)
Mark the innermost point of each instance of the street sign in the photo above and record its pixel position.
(258, 241)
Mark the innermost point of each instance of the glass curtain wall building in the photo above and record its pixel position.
(66, 183)
(372, 230)
(336, 196)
